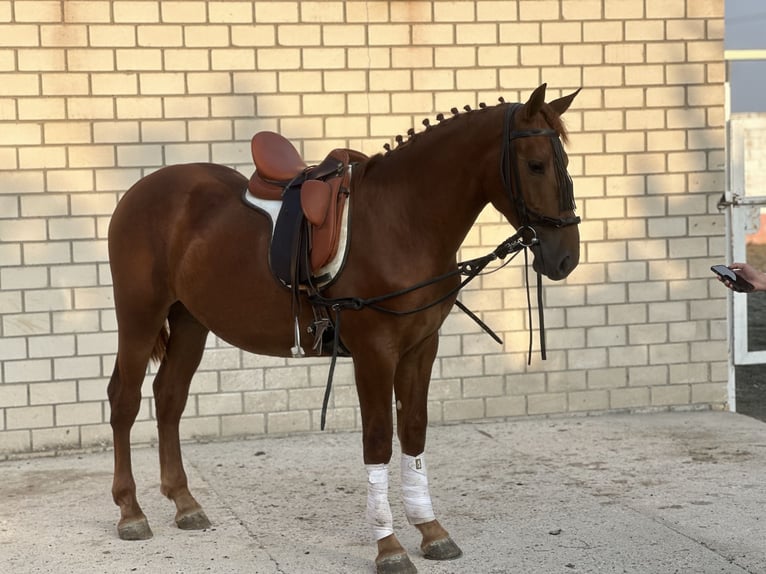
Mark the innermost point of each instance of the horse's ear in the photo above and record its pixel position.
(562, 104)
(535, 102)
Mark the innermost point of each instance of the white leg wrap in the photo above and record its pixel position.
(417, 499)
(378, 511)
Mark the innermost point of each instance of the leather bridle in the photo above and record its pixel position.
(525, 237)
(511, 178)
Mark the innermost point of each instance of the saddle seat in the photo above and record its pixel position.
(277, 162)
(321, 191)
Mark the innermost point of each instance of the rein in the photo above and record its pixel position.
(469, 269)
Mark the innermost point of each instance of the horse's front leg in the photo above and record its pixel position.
(374, 373)
(411, 383)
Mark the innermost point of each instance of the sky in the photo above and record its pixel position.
(745, 28)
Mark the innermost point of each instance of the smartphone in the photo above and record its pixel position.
(739, 284)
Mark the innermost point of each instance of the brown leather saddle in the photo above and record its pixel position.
(307, 230)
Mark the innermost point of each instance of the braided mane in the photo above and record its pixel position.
(553, 120)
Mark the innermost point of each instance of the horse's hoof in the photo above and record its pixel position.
(135, 530)
(398, 564)
(194, 520)
(444, 549)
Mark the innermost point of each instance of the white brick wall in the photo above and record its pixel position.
(94, 94)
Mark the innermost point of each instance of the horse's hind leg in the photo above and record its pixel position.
(171, 388)
(411, 386)
(138, 335)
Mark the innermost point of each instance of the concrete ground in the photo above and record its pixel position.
(659, 493)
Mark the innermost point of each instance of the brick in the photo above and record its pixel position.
(462, 410)
(13, 395)
(540, 55)
(685, 74)
(595, 358)
(520, 33)
(465, 79)
(232, 59)
(97, 344)
(588, 400)
(158, 36)
(689, 373)
(21, 134)
(346, 127)
(22, 230)
(506, 407)
(628, 398)
(627, 356)
(288, 422)
(459, 11)
(707, 393)
(299, 35)
(607, 378)
(476, 34)
(627, 314)
(230, 11)
(344, 81)
(29, 417)
(46, 253)
(27, 371)
(133, 11)
(10, 301)
(605, 336)
(325, 11)
(605, 31)
(220, 403)
(410, 12)
(41, 60)
(388, 34)
(392, 80)
(454, 57)
(238, 425)
(53, 393)
(670, 395)
(547, 403)
(191, 59)
(86, 11)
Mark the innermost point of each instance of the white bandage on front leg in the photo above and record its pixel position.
(417, 499)
(378, 510)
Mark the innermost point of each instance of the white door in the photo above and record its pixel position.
(745, 202)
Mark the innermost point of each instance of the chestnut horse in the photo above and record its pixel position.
(188, 257)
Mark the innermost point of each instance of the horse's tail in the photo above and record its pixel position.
(161, 344)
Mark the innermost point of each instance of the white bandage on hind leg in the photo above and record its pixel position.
(417, 499)
(378, 510)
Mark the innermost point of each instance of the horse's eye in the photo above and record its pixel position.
(536, 167)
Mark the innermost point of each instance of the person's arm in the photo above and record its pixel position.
(749, 273)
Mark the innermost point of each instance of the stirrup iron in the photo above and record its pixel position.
(297, 350)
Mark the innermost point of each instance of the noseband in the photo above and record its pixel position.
(509, 167)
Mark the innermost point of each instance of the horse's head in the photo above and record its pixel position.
(537, 190)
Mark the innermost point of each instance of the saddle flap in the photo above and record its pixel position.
(325, 237)
(276, 159)
(315, 200)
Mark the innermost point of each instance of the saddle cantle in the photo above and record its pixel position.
(307, 229)
(276, 163)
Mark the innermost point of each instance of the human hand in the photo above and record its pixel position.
(748, 273)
